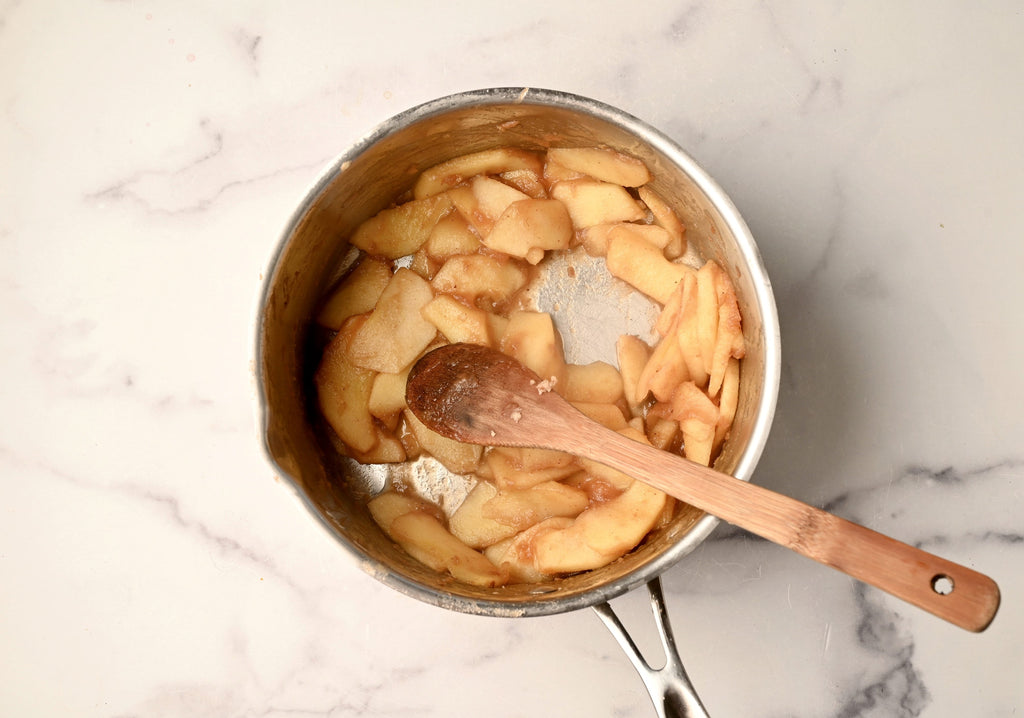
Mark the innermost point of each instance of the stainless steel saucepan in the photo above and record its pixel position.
(589, 308)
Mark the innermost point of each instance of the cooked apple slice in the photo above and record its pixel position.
(664, 371)
(729, 342)
(459, 169)
(400, 231)
(556, 172)
(642, 265)
(596, 239)
(609, 415)
(602, 163)
(531, 459)
(602, 533)
(451, 235)
(615, 482)
(426, 539)
(531, 338)
(666, 218)
(497, 324)
(424, 265)
(455, 456)
(632, 354)
(471, 526)
(523, 508)
(493, 197)
(727, 403)
(389, 505)
(387, 398)
(697, 416)
(357, 293)
(527, 228)
(597, 382)
(457, 321)
(343, 391)
(593, 202)
(516, 554)
(526, 181)
(508, 474)
(395, 332)
(467, 205)
(388, 450)
(489, 515)
(481, 279)
(707, 313)
(668, 319)
(687, 333)
(662, 433)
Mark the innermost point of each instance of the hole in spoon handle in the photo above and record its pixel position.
(948, 590)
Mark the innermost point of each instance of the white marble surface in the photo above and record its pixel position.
(152, 565)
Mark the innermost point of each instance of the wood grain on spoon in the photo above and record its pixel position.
(480, 396)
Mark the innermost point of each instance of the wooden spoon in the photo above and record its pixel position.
(480, 396)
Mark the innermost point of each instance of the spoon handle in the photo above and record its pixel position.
(948, 590)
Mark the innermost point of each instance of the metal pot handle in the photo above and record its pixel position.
(669, 686)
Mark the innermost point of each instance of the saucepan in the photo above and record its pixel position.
(590, 309)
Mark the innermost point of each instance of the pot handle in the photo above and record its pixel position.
(669, 686)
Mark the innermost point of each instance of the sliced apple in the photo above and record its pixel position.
(488, 515)
(687, 332)
(528, 228)
(664, 371)
(387, 450)
(495, 161)
(642, 265)
(524, 508)
(343, 391)
(451, 235)
(492, 198)
(509, 474)
(729, 342)
(727, 403)
(666, 218)
(357, 293)
(471, 526)
(632, 354)
(481, 279)
(531, 338)
(608, 415)
(401, 230)
(707, 312)
(602, 533)
(426, 539)
(455, 456)
(602, 163)
(528, 182)
(697, 416)
(457, 321)
(662, 433)
(389, 505)
(387, 398)
(598, 382)
(532, 459)
(593, 202)
(516, 555)
(395, 332)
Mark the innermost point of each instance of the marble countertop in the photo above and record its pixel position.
(151, 562)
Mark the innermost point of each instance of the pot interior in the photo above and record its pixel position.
(314, 253)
